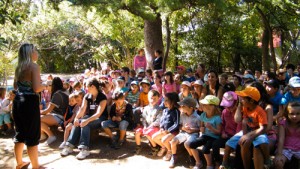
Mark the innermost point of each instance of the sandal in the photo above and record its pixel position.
(24, 165)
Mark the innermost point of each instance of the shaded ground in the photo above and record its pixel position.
(102, 156)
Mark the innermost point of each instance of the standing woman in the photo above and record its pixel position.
(140, 61)
(26, 111)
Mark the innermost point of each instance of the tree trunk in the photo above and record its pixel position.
(236, 62)
(167, 44)
(265, 50)
(153, 38)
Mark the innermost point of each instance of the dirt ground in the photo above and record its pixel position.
(102, 156)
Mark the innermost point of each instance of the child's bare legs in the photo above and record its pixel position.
(122, 135)
(157, 138)
(279, 161)
(226, 156)
(188, 149)
(246, 156)
(265, 150)
(196, 155)
(208, 159)
(166, 141)
(108, 132)
(151, 141)
(138, 138)
(67, 131)
(261, 156)
(9, 126)
(174, 143)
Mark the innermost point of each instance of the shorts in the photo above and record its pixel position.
(234, 140)
(26, 114)
(112, 124)
(148, 131)
(58, 118)
(183, 136)
(5, 118)
(290, 153)
(204, 140)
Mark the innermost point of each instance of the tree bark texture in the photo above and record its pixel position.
(265, 50)
(166, 56)
(153, 38)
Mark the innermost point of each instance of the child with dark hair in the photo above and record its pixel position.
(254, 120)
(120, 116)
(151, 121)
(169, 85)
(169, 125)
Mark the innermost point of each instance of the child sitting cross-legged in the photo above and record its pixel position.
(190, 127)
(151, 120)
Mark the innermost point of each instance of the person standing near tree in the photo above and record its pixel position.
(26, 112)
(140, 61)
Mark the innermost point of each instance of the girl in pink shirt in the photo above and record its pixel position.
(169, 84)
(289, 136)
(139, 60)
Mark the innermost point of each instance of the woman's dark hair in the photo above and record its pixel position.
(158, 51)
(94, 82)
(264, 97)
(154, 92)
(173, 99)
(57, 84)
(149, 71)
(271, 75)
(290, 66)
(125, 69)
(216, 73)
(169, 73)
(117, 95)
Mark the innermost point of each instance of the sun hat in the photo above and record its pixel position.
(188, 101)
(210, 99)
(228, 99)
(198, 82)
(134, 83)
(251, 92)
(294, 81)
(187, 83)
(146, 81)
(248, 76)
(121, 78)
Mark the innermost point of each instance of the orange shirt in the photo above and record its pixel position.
(144, 99)
(256, 117)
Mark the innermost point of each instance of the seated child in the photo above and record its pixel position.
(5, 109)
(289, 136)
(150, 119)
(210, 127)
(169, 125)
(75, 100)
(134, 94)
(120, 116)
(190, 128)
(254, 128)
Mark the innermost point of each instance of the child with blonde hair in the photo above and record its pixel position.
(75, 100)
(289, 136)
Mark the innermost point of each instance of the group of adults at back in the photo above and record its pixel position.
(167, 108)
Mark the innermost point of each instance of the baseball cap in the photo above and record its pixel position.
(198, 82)
(228, 99)
(273, 83)
(294, 81)
(210, 99)
(248, 76)
(187, 83)
(188, 101)
(121, 78)
(134, 83)
(251, 92)
(145, 81)
(180, 67)
(141, 70)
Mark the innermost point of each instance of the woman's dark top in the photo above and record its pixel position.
(157, 63)
(92, 105)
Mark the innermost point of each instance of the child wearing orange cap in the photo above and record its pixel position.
(254, 120)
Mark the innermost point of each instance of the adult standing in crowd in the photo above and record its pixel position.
(92, 112)
(158, 61)
(53, 115)
(140, 61)
(26, 112)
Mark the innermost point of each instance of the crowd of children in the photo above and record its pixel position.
(258, 113)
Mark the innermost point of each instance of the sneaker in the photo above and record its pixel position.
(113, 144)
(168, 156)
(192, 161)
(66, 151)
(50, 140)
(83, 154)
(198, 166)
(173, 161)
(62, 145)
(137, 150)
(161, 152)
(119, 144)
